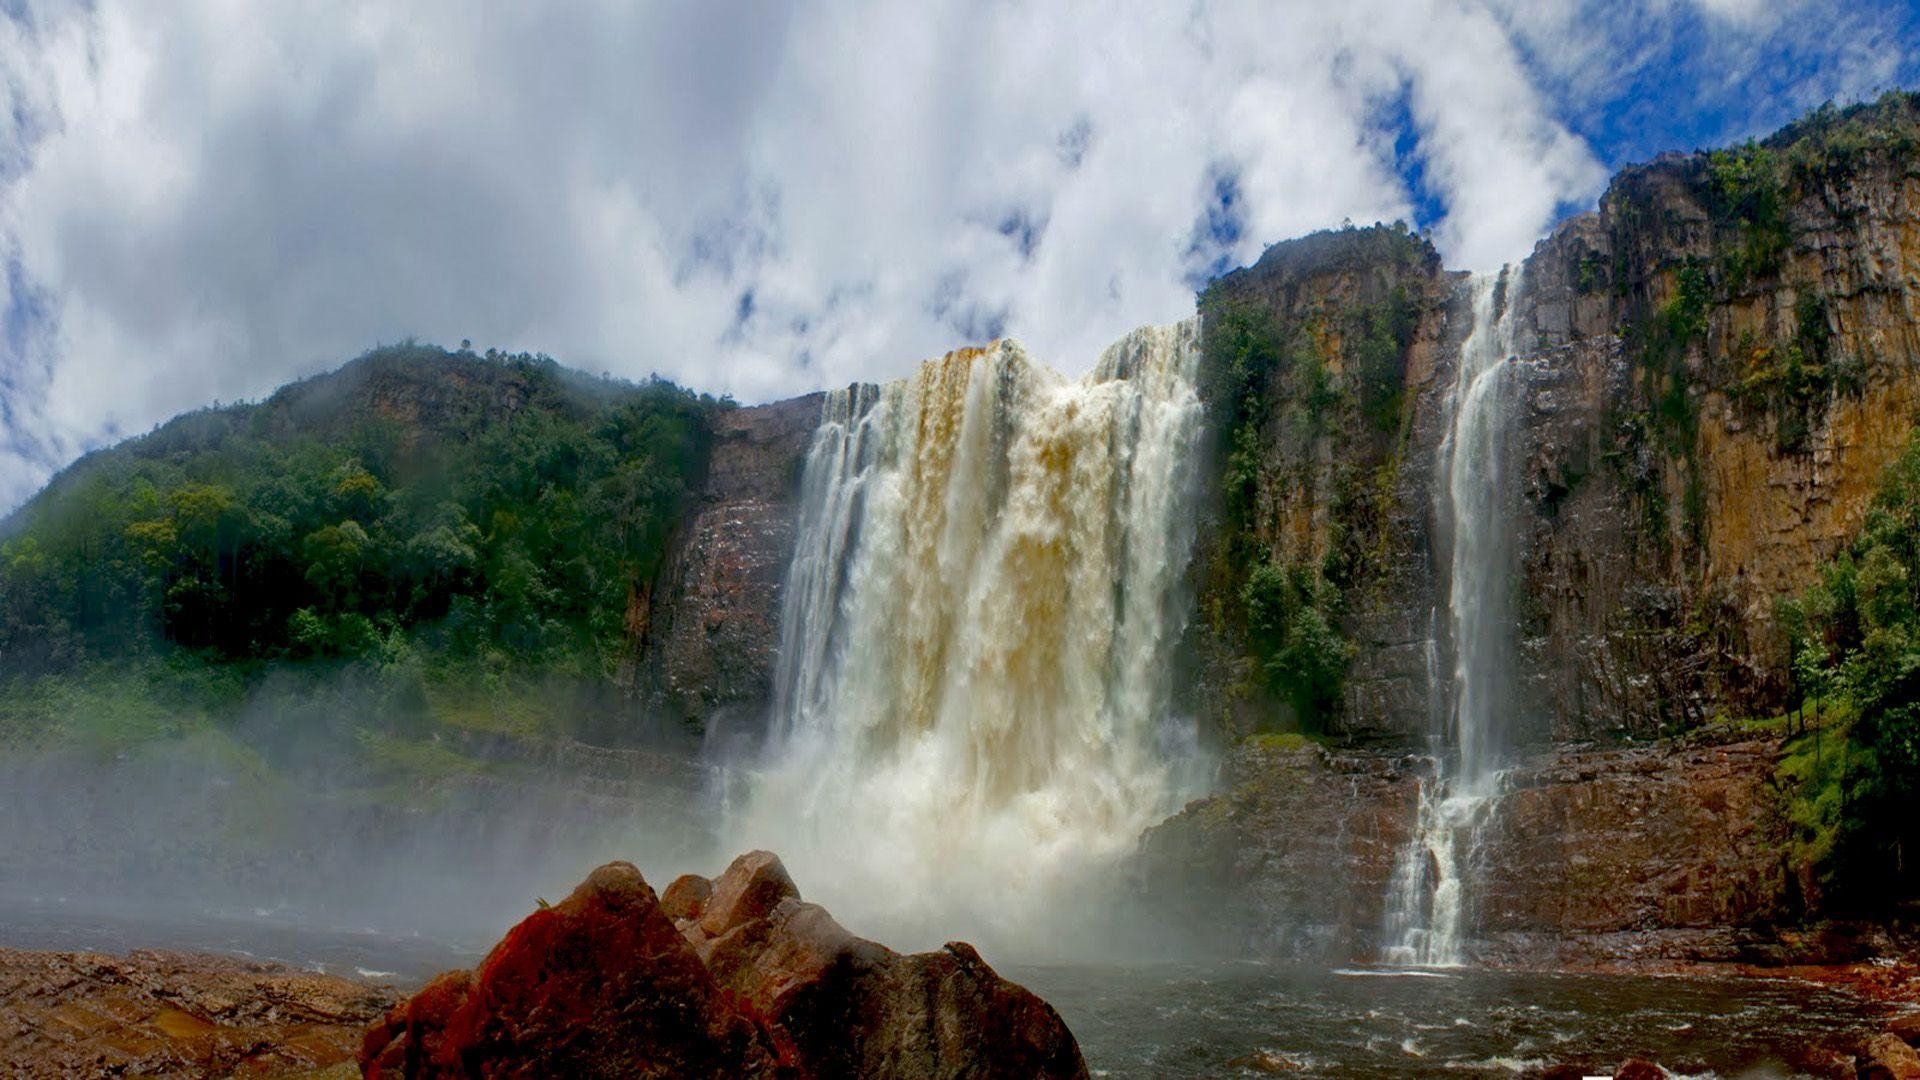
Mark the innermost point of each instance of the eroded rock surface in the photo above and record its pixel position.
(748, 981)
(712, 626)
(1664, 852)
(166, 1014)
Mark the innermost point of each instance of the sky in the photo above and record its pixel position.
(201, 200)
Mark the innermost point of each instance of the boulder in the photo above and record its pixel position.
(737, 977)
(687, 897)
(600, 984)
(1888, 1057)
(749, 890)
(1907, 1026)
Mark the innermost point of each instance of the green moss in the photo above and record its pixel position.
(1790, 382)
(1285, 741)
(1380, 335)
(1593, 274)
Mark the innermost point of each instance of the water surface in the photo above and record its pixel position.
(1178, 1020)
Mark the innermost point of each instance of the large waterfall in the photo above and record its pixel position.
(973, 702)
(1429, 904)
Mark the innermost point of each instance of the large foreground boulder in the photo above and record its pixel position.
(735, 977)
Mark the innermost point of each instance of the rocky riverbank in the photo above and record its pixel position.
(1647, 855)
(169, 1014)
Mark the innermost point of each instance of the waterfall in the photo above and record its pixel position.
(1428, 906)
(972, 700)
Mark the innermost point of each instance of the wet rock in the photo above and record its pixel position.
(1825, 1063)
(1658, 851)
(712, 628)
(1637, 1069)
(600, 984)
(687, 897)
(750, 889)
(1907, 1026)
(758, 983)
(167, 1014)
(1887, 1056)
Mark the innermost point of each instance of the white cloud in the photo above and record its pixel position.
(206, 198)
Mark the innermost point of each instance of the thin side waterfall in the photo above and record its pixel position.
(1428, 908)
(973, 700)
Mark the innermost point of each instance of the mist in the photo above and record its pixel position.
(278, 819)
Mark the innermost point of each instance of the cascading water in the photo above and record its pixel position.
(973, 702)
(1428, 907)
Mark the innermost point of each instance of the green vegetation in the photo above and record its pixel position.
(446, 525)
(1672, 419)
(1280, 383)
(1856, 646)
(1292, 615)
(1792, 381)
(1380, 334)
(1283, 741)
(1747, 194)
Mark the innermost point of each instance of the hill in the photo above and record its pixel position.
(435, 521)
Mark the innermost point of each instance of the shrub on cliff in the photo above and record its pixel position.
(1857, 636)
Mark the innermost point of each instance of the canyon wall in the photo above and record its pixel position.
(1714, 369)
(710, 629)
(1657, 852)
(1729, 359)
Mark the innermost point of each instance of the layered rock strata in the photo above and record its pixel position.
(1662, 852)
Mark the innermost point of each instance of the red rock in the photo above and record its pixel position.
(1636, 1069)
(750, 889)
(169, 1014)
(600, 984)
(761, 984)
(1888, 1057)
(1907, 1026)
(1824, 1063)
(686, 897)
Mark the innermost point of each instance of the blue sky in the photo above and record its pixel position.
(200, 201)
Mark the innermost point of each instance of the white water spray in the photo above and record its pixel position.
(973, 704)
(1428, 907)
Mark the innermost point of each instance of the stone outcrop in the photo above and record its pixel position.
(1363, 327)
(737, 977)
(711, 627)
(166, 1014)
(1714, 369)
(1661, 852)
(1725, 364)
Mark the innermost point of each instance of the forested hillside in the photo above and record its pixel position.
(435, 522)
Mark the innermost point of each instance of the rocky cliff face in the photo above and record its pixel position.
(1327, 369)
(1668, 852)
(1726, 364)
(711, 628)
(1714, 370)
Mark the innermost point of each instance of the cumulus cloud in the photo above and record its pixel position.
(200, 200)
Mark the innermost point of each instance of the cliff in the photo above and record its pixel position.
(711, 631)
(1327, 365)
(1666, 853)
(1714, 370)
(1724, 367)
